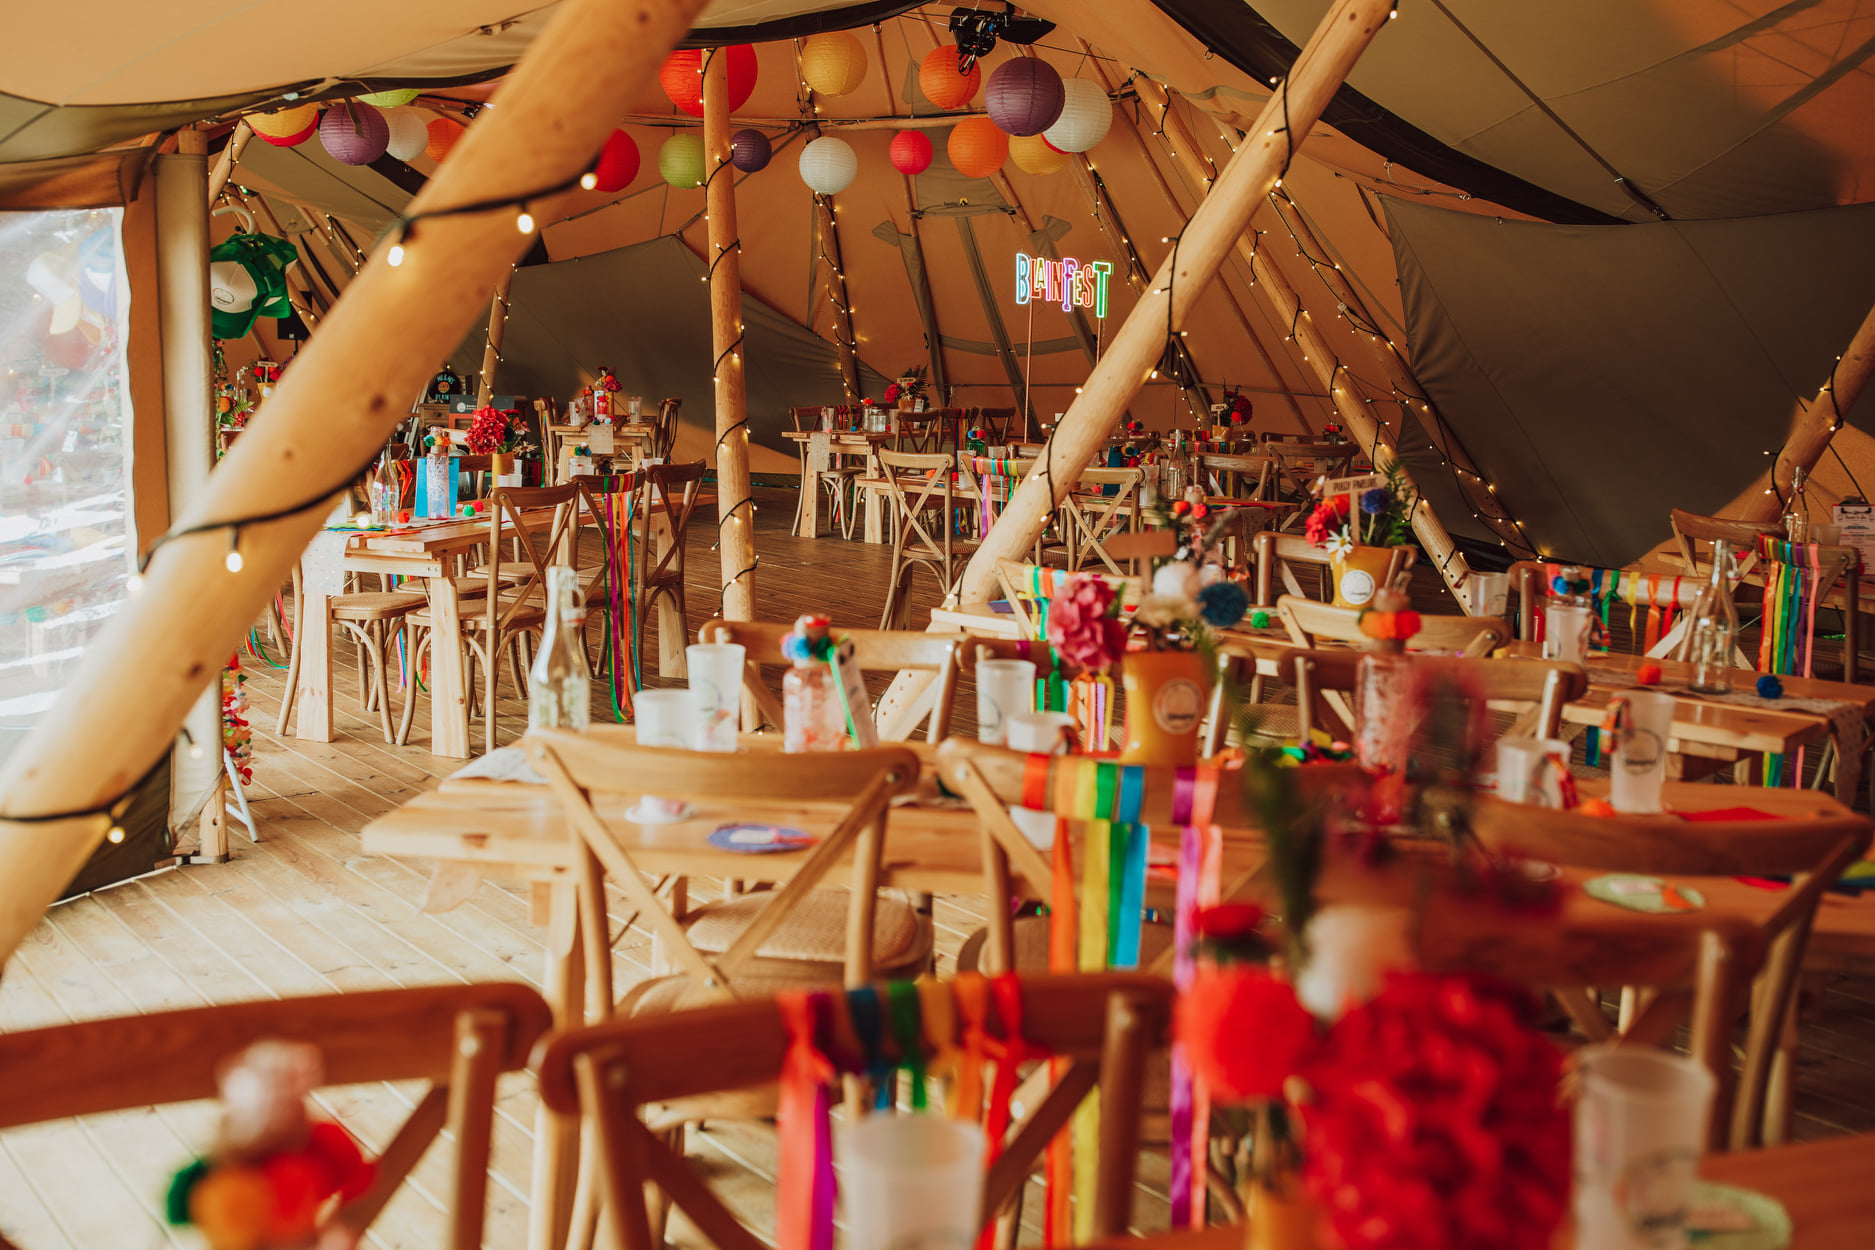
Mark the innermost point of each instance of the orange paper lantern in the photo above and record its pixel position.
(977, 148)
(942, 84)
(445, 132)
(681, 76)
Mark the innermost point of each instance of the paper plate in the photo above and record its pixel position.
(1770, 1223)
(759, 839)
(1638, 893)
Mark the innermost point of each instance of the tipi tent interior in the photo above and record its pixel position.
(1553, 275)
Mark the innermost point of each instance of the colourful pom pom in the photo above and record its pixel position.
(1259, 619)
(232, 1206)
(1596, 807)
(1559, 585)
(333, 1147)
(181, 1185)
(1770, 687)
(1648, 674)
(299, 1186)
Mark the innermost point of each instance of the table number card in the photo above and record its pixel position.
(599, 440)
(819, 452)
(853, 692)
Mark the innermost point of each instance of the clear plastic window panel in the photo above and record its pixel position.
(64, 450)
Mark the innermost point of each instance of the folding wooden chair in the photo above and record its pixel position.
(874, 650)
(1274, 553)
(667, 501)
(924, 529)
(799, 934)
(458, 1038)
(1310, 623)
(633, 1079)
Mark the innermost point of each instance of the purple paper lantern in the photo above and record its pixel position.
(749, 151)
(1024, 96)
(354, 133)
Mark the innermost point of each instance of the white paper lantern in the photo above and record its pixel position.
(1085, 116)
(410, 133)
(829, 165)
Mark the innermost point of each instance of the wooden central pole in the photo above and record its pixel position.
(348, 388)
(735, 506)
(1291, 113)
(491, 351)
(1814, 424)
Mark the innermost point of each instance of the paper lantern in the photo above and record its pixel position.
(445, 132)
(829, 165)
(682, 77)
(942, 84)
(749, 151)
(1086, 113)
(680, 160)
(977, 148)
(354, 133)
(391, 99)
(410, 134)
(911, 151)
(288, 127)
(618, 163)
(834, 63)
(1033, 155)
(1024, 96)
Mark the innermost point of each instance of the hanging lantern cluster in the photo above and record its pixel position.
(359, 131)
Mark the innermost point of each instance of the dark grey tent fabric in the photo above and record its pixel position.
(644, 312)
(1603, 375)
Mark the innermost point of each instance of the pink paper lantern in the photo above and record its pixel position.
(354, 133)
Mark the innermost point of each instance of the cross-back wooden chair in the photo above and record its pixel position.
(494, 605)
(374, 619)
(1665, 592)
(667, 501)
(664, 440)
(632, 1079)
(833, 477)
(1299, 463)
(1798, 579)
(458, 1038)
(991, 481)
(874, 650)
(925, 508)
(799, 934)
(997, 422)
(1028, 587)
(921, 433)
(1274, 553)
(1812, 852)
(1228, 471)
(1104, 503)
(1310, 623)
(1694, 534)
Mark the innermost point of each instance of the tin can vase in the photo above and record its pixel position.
(502, 463)
(1358, 574)
(1166, 693)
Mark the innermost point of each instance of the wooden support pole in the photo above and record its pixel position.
(1355, 411)
(829, 243)
(491, 351)
(348, 388)
(1815, 423)
(1218, 223)
(230, 156)
(735, 505)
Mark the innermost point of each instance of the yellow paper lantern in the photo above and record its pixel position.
(834, 63)
(286, 127)
(977, 148)
(1033, 155)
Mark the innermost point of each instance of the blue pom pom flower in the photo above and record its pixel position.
(1769, 687)
(1222, 604)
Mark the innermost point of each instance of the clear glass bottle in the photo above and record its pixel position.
(1797, 510)
(1177, 473)
(1714, 628)
(383, 493)
(559, 691)
(813, 713)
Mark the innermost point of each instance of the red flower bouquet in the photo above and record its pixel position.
(1084, 626)
(493, 431)
(1434, 1121)
(1325, 519)
(1245, 1033)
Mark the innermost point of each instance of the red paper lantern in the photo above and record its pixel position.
(444, 133)
(617, 164)
(911, 151)
(942, 84)
(977, 148)
(682, 77)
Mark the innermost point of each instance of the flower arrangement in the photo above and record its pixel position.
(1084, 624)
(1189, 594)
(496, 431)
(910, 385)
(1333, 434)
(1380, 516)
(606, 381)
(1237, 407)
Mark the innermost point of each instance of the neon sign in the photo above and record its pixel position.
(1067, 282)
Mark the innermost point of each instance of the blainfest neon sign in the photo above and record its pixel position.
(1067, 282)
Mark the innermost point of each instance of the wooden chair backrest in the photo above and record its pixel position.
(922, 516)
(1228, 466)
(1690, 528)
(857, 786)
(1019, 582)
(458, 1038)
(806, 420)
(1309, 622)
(918, 433)
(998, 421)
(668, 491)
(507, 522)
(664, 441)
(1101, 1026)
(874, 650)
(1274, 552)
(1095, 518)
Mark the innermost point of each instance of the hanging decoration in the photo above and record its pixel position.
(680, 160)
(750, 151)
(445, 387)
(829, 165)
(618, 163)
(445, 133)
(410, 134)
(1086, 115)
(286, 128)
(1035, 155)
(354, 133)
(393, 99)
(833, 63)
(1024, 96)
(911, 151)
(941, 83)
(977, 147)
(682, 77)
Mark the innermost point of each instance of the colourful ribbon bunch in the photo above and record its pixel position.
(1793, 587)
(1605, 587)
(996, 478)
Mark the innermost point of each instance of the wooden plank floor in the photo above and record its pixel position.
(305, 912)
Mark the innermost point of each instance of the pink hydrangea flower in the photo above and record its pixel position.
(1081, 626)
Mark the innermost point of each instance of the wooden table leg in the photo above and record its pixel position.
(557, 1137)
(449, 679)
(313, 701)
